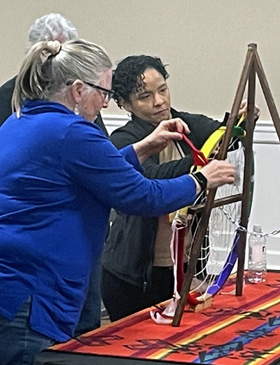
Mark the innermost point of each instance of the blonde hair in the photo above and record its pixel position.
(50, 66)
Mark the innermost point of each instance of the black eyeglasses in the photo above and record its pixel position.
(107, 93)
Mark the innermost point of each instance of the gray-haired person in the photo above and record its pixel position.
(49, 27)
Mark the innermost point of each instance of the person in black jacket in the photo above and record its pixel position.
(136, 264)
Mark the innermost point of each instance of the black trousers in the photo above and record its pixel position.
(122, 299)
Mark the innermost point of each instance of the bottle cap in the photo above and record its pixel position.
(257, 228)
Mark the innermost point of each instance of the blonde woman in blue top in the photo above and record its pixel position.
(57, 186)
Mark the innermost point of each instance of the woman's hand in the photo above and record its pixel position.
(217, 173)
(243, 109)
(166, 131)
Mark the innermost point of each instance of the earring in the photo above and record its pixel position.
(76, 110)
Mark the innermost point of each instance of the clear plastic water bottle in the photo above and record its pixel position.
(257, 256)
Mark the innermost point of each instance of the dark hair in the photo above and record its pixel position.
(128, 76)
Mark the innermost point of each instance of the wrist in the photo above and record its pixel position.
(142, 150)
(200, 179)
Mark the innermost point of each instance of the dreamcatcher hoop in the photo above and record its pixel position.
(220, 259)
(222, 234)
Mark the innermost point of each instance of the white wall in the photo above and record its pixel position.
(266, 202)
(204, 42)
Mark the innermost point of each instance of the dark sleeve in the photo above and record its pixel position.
(201, 127)
(100, 123)
(129, 134)
(154, 170)
(6, 92)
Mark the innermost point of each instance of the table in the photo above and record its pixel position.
(233, 331)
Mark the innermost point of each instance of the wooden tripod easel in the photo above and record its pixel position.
(251, 67)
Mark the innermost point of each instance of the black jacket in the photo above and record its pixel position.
(129, 249)
(6, 93)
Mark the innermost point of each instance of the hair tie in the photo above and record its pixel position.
(54, 49)
(55, 46)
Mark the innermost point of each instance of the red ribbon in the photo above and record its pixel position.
(198, 157)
